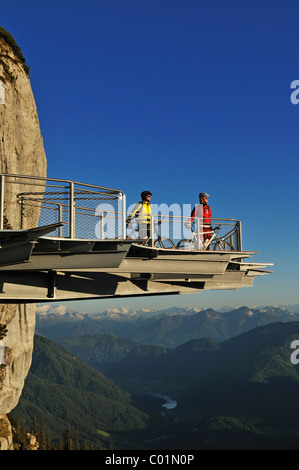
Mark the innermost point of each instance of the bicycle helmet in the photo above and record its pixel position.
(144, 194)
(203, 195)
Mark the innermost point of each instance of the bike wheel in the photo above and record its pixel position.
(184, 244)
(223, 245)
(165, 243)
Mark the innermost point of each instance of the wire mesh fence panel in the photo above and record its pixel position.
(225, 235)
(86, 211)
(16, 215)
(55, 207)
(97, 215)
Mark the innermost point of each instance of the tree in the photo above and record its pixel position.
(68, 441)
(77, 446)
(42, 436)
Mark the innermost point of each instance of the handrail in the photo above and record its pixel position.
(45, 178)
(86, 208)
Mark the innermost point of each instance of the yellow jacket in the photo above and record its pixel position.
(142, 211)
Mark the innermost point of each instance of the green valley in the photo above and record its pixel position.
(240, 393)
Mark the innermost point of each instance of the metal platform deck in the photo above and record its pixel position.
(36, 266)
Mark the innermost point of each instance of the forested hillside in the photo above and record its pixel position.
(63, 390)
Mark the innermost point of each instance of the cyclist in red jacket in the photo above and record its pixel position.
(203, 210)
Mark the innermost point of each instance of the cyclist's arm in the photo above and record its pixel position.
(192, 216)
(133, 213)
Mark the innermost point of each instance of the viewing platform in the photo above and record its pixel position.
(82, 248)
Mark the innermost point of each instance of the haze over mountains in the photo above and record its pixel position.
(168, 328)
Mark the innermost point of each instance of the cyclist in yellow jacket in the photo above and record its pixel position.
(142, 212)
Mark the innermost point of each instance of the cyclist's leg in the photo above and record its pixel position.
(143, 232)
(206, 238)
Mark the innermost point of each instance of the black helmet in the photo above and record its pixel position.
(144, 194)
(203, 195)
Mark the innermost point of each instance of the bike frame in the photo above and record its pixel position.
(202, 244)
(147, 239)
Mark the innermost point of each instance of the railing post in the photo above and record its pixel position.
(199, 228)
(239, 238)
(124, 215)
(72, 211)
(22, 212)
(1, 202)
(59, 219)
(152, 230)
(198, 233)
(102, 225)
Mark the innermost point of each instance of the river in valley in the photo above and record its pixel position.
(169, 404)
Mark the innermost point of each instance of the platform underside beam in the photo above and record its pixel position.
(34, 268)
(16, 286)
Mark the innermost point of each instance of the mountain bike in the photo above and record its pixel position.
(215, 242)
(159, 242)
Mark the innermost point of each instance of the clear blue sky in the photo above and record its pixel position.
(176, 96)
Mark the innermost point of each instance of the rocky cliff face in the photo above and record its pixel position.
(21, 152)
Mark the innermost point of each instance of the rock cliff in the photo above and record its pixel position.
(21, 152)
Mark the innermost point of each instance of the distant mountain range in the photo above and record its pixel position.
(56, 311)
(257, 356)
(168, 328)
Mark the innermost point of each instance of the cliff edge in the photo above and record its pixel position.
(22, 152)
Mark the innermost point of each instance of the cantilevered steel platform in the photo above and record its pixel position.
(38, 267)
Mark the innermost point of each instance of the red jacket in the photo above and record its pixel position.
(205, 213)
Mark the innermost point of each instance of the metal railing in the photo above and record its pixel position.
(29, 200)
(169, 231)
(95, 212)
